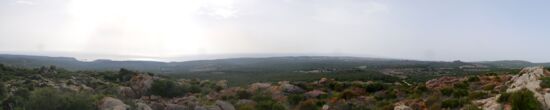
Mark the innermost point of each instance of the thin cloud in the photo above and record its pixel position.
(25, 2)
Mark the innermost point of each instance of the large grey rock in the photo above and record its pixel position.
(157, 106)
(289, 88)
(109, 103)
(175, 107)
(225, 105)
(142, 106)
(245, 102)
(213, 107)
(489, 103)
(314, 93)
(141, 83)
(222, 84)
(126, 91)
(200, 108)
(528, 78)
(258, 86)
(402, 107)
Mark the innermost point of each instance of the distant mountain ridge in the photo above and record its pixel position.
(276, 64)
(512, 63)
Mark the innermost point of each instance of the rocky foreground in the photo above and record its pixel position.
(50, 88)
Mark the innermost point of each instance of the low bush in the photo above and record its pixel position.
(523, 99)
(294, 99)
(451, 103)
(167, 88)
(52, 99)
(545, 82)
(446, 91)
(374, 87)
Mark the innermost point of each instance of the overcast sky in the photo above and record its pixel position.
(470, 30)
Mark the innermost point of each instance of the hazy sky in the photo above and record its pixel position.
(468, 30)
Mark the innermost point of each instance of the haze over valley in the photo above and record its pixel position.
(274, 55)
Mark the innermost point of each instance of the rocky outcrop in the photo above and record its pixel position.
(314, 93)
(222, 84)
(257, 86)
(140, 84)
(443, 82)
(213, 108)
(402, 107)
(175, 107)
(109, 103)
(126, 91)
(528, 78)
(289, 88)
(489, 103)
(142, 106)
(157, 106)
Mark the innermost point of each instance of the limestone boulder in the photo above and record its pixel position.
(225, 105)
(109, 103)
(141, 83)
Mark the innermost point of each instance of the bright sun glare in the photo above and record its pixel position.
(168, 25)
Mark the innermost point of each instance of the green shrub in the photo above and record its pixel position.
(451, 103)
(489, 87)
(195, 89)
(52, 99)
(524, 100)
(503, 98)
(243, 94)
(478, 95)
(545, 82)
(433, 99)
(294, 99)
(266, 102)
(521, 100)
(167, 88)
(308, 105)
(473, 79)
(246, 107)
(374, 87)
(269, 105)
(460, 93)
(3, 91)
(446, 91)
(336, 86)
(421, 88)
(348, 94)
(386, 95)
(463, 85)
